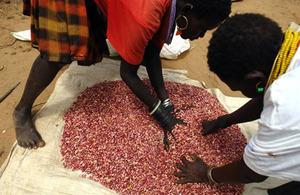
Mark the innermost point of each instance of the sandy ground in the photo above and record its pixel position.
(16, 57)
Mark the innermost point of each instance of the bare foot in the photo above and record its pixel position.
(27, 135)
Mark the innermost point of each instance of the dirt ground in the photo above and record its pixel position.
(16, 57)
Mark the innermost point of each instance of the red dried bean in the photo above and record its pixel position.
(110, 136)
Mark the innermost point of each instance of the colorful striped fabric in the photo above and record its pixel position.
(60, 30)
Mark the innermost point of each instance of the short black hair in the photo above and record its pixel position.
(216, 10)
(242, 44)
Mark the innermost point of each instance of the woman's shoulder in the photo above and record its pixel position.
(281, 101)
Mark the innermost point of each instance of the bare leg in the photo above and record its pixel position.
(41, 75)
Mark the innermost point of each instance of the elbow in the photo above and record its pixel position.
(123, 76)
(254, 178)
(128, 78)
(128, 73)
(260, 178)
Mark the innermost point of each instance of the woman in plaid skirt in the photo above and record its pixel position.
(68, 30)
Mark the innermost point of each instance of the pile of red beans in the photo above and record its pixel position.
(110, 136)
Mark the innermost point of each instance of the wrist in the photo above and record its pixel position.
(161, 114)
(210, 175)
(168, 105)
(154, 107)
(223, 121)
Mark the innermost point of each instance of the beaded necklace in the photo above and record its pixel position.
(285, 55)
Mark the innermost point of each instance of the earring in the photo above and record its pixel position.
(259, 88)
(180, 17)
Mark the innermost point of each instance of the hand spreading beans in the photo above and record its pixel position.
(110, 136)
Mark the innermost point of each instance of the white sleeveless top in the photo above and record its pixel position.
(275, 150)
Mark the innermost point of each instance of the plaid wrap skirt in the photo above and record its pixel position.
(67, 30)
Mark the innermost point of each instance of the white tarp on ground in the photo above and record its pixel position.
(41, 171)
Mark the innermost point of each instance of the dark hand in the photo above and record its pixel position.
(168, 128)
(191, 172)
(210, 127)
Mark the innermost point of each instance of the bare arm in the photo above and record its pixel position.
(153, 64)
(248, 112)
(234, 173)
(157, 109)
(129, 76)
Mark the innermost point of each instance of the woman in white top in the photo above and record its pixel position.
(242, 53)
